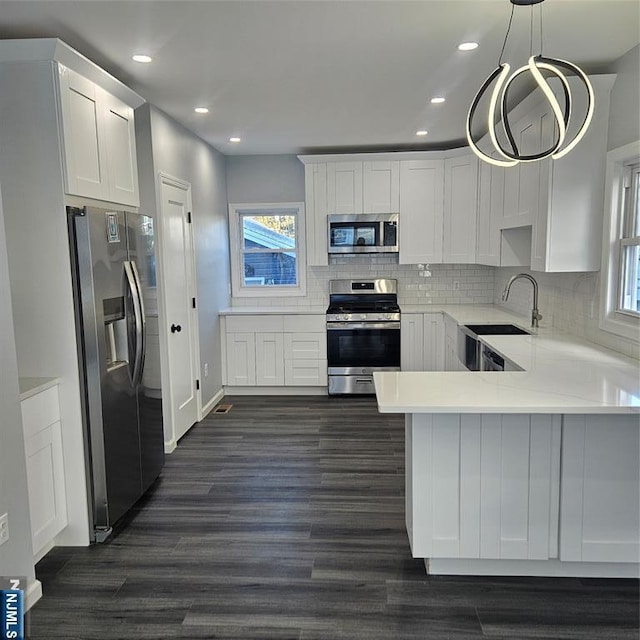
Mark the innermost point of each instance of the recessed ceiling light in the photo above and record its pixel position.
(468, 46)
(139, 57)
(201, 110)
(234, 139)
(437, 100)
(421, 133)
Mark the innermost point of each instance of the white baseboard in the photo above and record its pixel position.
(43, 552)
(32, 594)
(170, 447)
(551, 568)
(275, 391)
(211, 404)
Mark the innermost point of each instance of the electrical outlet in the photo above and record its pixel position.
(4, 528)
(206, 369)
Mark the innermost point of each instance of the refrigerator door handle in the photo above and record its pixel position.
(142, 333)
(139, 327)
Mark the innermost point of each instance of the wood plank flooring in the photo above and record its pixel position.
(284, 519)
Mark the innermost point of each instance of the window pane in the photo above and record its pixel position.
(269, 268)
(635, 212)
(630, 285)
(269, 232)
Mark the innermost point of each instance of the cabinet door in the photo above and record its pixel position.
(433, 342)
(344, 187)
(490, 206)
(421, 210)
(600, 485)
(120, 144)
(269, 359)
(411, 342)
(522, 182)
(241, 359)
(451, 360)
(315, 188)
(460, 209)
(45, 479)
(85, 157)
(381, 187)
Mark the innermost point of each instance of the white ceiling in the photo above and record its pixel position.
(320, 75)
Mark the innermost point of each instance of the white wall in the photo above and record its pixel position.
(16, 555)
(269, 178)
(571, 301)
(167, 147)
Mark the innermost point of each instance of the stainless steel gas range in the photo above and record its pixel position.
(363, 333)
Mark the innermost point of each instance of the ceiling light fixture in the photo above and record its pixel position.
(421, 133)
(201, 110)
(437, 100)
(139, 57)
(468, 46)
(501, 78)
(234, 139)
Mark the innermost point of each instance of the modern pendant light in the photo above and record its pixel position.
(501, 79)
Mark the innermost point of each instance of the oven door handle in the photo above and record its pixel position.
(333, 326)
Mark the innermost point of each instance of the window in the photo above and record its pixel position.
(267, 249)
(620, 313)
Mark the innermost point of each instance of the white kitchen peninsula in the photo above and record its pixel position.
(532, 472)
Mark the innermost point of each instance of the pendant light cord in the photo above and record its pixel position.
(504, 44)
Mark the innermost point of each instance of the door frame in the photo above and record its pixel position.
(170, 441)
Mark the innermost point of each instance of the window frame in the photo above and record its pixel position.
(621, 322)
(236, 213)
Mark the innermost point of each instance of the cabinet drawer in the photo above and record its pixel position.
(305, 373)
(305, 346)
(40, 411)
(305, 323)
(244, 324)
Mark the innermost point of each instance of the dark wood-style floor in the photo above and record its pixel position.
(285, 519)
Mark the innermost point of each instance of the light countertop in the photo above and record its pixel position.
(31, 386)
(260, 311)
(561, 374)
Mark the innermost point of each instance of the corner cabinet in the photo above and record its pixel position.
(547, 215)
(99, 148)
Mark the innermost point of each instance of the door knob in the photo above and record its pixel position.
(176, 327)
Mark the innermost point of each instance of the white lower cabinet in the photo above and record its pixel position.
(451, 359)
(45, 468)
(275, 350)
(482, 486)
(412, 342)
(600, 516)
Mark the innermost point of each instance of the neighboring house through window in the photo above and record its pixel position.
(267, 249)
(620, 312)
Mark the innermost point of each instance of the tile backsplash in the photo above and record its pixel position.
(567, 301)
(417, 284)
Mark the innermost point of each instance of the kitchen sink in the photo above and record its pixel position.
(496, 329)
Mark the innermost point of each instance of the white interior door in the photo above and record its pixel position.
(181, 331)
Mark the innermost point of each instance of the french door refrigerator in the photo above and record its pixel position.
(113, 271)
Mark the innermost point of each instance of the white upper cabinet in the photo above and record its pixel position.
(490, 207)
(99, 141)
(381, 186)
(315, 201)
(120, 139)
(460, 209)
(363, 187)
(344, 187)
(567, 230)
(421, 211)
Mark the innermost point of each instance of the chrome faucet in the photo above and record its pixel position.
(535, 314)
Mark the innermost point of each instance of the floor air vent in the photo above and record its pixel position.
(222, 408)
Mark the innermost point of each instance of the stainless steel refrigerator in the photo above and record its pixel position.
(113, 270)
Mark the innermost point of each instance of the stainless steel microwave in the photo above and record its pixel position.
(363, 233)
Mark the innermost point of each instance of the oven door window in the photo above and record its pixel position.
(363, 347)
